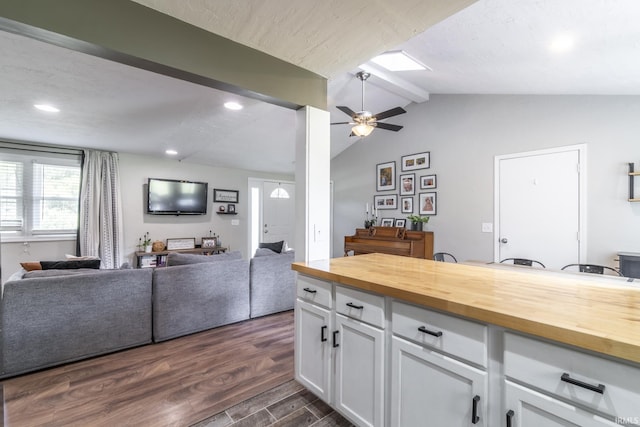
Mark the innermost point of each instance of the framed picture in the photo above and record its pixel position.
(407, 184)
(186, 243)
(401, 222)
(231, 208)
(427, 181)
(386, 222)
(209, 242)
(427, 203)
(416, 161)
(407, 204)
(386, 201)
(386, 176)
(230, 196)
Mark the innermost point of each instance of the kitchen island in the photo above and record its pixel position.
(520, 339)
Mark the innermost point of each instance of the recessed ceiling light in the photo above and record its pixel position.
(398, 61)
(562, 43)
(46, 107)
(171, 152)
(233, 105)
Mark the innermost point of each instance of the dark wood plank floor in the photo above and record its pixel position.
(175, 383)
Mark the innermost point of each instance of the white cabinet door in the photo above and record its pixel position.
(430, 389)
(359, 382)
(527, 408)
(313, 348)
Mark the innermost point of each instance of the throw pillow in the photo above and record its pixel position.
(264, 252)
(70, 257)
(274, 246)
(30, 266)
(66, 265)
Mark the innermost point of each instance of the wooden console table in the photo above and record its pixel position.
(159, 259)
(390, 240)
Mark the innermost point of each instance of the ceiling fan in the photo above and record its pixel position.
(364, 122)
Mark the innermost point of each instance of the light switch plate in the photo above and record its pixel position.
(235, 222)
(487, 227)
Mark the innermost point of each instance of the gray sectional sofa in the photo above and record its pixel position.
(53, 317)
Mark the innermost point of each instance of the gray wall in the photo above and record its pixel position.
(465, 132)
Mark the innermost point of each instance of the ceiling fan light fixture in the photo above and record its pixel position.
(399, 60)
(362, 130)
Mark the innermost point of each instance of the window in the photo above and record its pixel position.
(39, 194)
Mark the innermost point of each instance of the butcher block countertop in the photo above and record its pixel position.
(588, 312)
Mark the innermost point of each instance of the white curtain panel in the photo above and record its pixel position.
(101, 208)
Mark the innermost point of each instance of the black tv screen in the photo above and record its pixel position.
(174, 197)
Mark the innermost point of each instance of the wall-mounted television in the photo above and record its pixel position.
(175, 197)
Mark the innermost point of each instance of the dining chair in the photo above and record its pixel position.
(593, 268)
(524, 261)
(444, 256)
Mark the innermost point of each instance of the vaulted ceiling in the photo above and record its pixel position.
(491, 46)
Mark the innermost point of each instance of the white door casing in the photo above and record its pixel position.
(540, 206)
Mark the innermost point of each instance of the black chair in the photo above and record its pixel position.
(593, 268)
(444, 256)
(523, 261)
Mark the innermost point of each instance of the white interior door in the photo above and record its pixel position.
(278, 212)
(538, 206)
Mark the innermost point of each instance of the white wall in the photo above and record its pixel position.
(135, 170)
(464, 133)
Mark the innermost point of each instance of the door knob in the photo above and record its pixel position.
(504, 240)
(266, 231)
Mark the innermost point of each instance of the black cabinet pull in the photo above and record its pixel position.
(510, 415)
(597, 388)
(352, 305)
(323, 337)
(427, 331)
(311, 291)
(474, 413)
(335, 339)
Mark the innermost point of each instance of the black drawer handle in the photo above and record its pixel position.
(323, 337)
(427, 331)
(510, 415)
(474, 412)
(352, 305)
(335, 339)
(597, 388)
(311, 291)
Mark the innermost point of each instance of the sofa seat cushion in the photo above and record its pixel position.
(177, 258)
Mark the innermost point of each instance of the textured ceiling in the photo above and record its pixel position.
(492, 46)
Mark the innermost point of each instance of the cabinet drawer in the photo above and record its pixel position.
(360, 305)
(314, 290)
(543, 365)
(458, 337)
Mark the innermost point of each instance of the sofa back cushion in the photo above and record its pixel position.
(176, 258)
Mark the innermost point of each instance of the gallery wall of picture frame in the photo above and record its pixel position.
(408, 184)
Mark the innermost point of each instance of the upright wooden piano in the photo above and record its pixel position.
(390, 240)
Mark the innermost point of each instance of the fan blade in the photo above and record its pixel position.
(389, 113)
(347, 111)
(342, 123)
(388, 126)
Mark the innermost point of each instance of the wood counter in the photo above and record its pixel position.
(598, 315)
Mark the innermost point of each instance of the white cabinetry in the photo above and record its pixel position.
(314, 325)
(429, 387)
(339, 351)
(572, 387)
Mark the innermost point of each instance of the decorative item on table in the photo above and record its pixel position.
(157, 246)
(400, 222)
(231, 208)
(370, 221)
(386, 222)
(209, 242)
(417, 222)
(184, 243)
(144, 243)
